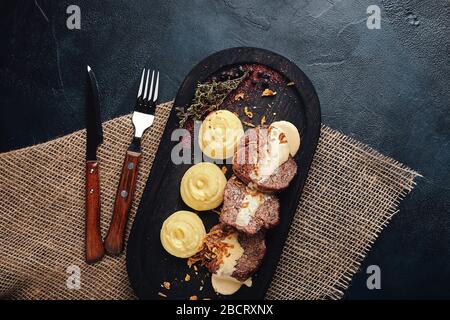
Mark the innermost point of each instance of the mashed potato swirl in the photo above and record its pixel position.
(182, 234)
(202, 186)
(219, 134)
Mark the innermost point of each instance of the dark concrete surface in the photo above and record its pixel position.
(389, 88)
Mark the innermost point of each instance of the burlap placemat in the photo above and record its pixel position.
(350, 195)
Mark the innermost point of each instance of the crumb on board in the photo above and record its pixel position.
(248, 113)
(166, 285)
(206, 298)
(224, 169)
(290, 84)
(162, 295)
(263, 120)
(239, 96)
(187, 277)
(268, 93)
(195, 268)
(201, 288)
(248, 124)
(193, 298)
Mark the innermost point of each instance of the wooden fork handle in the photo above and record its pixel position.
(94, 250)
(114, 241)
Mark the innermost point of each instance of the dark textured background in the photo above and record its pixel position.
(389, 88)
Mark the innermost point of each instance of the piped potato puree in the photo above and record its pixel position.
(182, 234)
(219, 134)
(202, 186)
(221, 280)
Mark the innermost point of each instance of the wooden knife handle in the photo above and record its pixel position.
(114, 241)
(94, 250)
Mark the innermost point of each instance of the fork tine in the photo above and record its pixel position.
(151, 87)
(146, 85)
(155, 94)
(142, 83)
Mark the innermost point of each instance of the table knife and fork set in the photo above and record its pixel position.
(142, 119)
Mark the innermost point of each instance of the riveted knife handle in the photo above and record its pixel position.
(94, 250)
(114, 241)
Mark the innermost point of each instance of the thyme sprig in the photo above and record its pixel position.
(207, 98)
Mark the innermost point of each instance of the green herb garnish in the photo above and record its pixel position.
(208, 97)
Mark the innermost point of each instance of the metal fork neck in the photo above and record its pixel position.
(135, 145)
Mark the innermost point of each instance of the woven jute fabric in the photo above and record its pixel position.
(351, 194)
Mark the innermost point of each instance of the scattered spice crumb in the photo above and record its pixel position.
(248, 124)
(162, 295)
(195, 268)
(193, 298)
(187, 277)
(263, 120)
(268, 93)
(239, 96)
(290, 84)
(201, 288)
(206, 298)
(274, 113)
(224, 169)
(248, 113)
(166, 285)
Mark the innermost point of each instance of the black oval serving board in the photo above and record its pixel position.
(148, 264)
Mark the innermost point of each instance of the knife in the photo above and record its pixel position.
(94, 137)
(143, 116)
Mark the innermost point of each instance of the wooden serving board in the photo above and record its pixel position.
(148, 264)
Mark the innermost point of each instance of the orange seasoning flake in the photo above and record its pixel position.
(239, 96)
(166, 285)
(263, 120)
(282, 137)
(248, 113)
(268, 93)
(187, 277)
(193, 298)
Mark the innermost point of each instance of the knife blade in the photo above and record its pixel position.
(94, 250)
(94, 131)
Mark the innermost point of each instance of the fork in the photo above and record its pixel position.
(143, 116)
